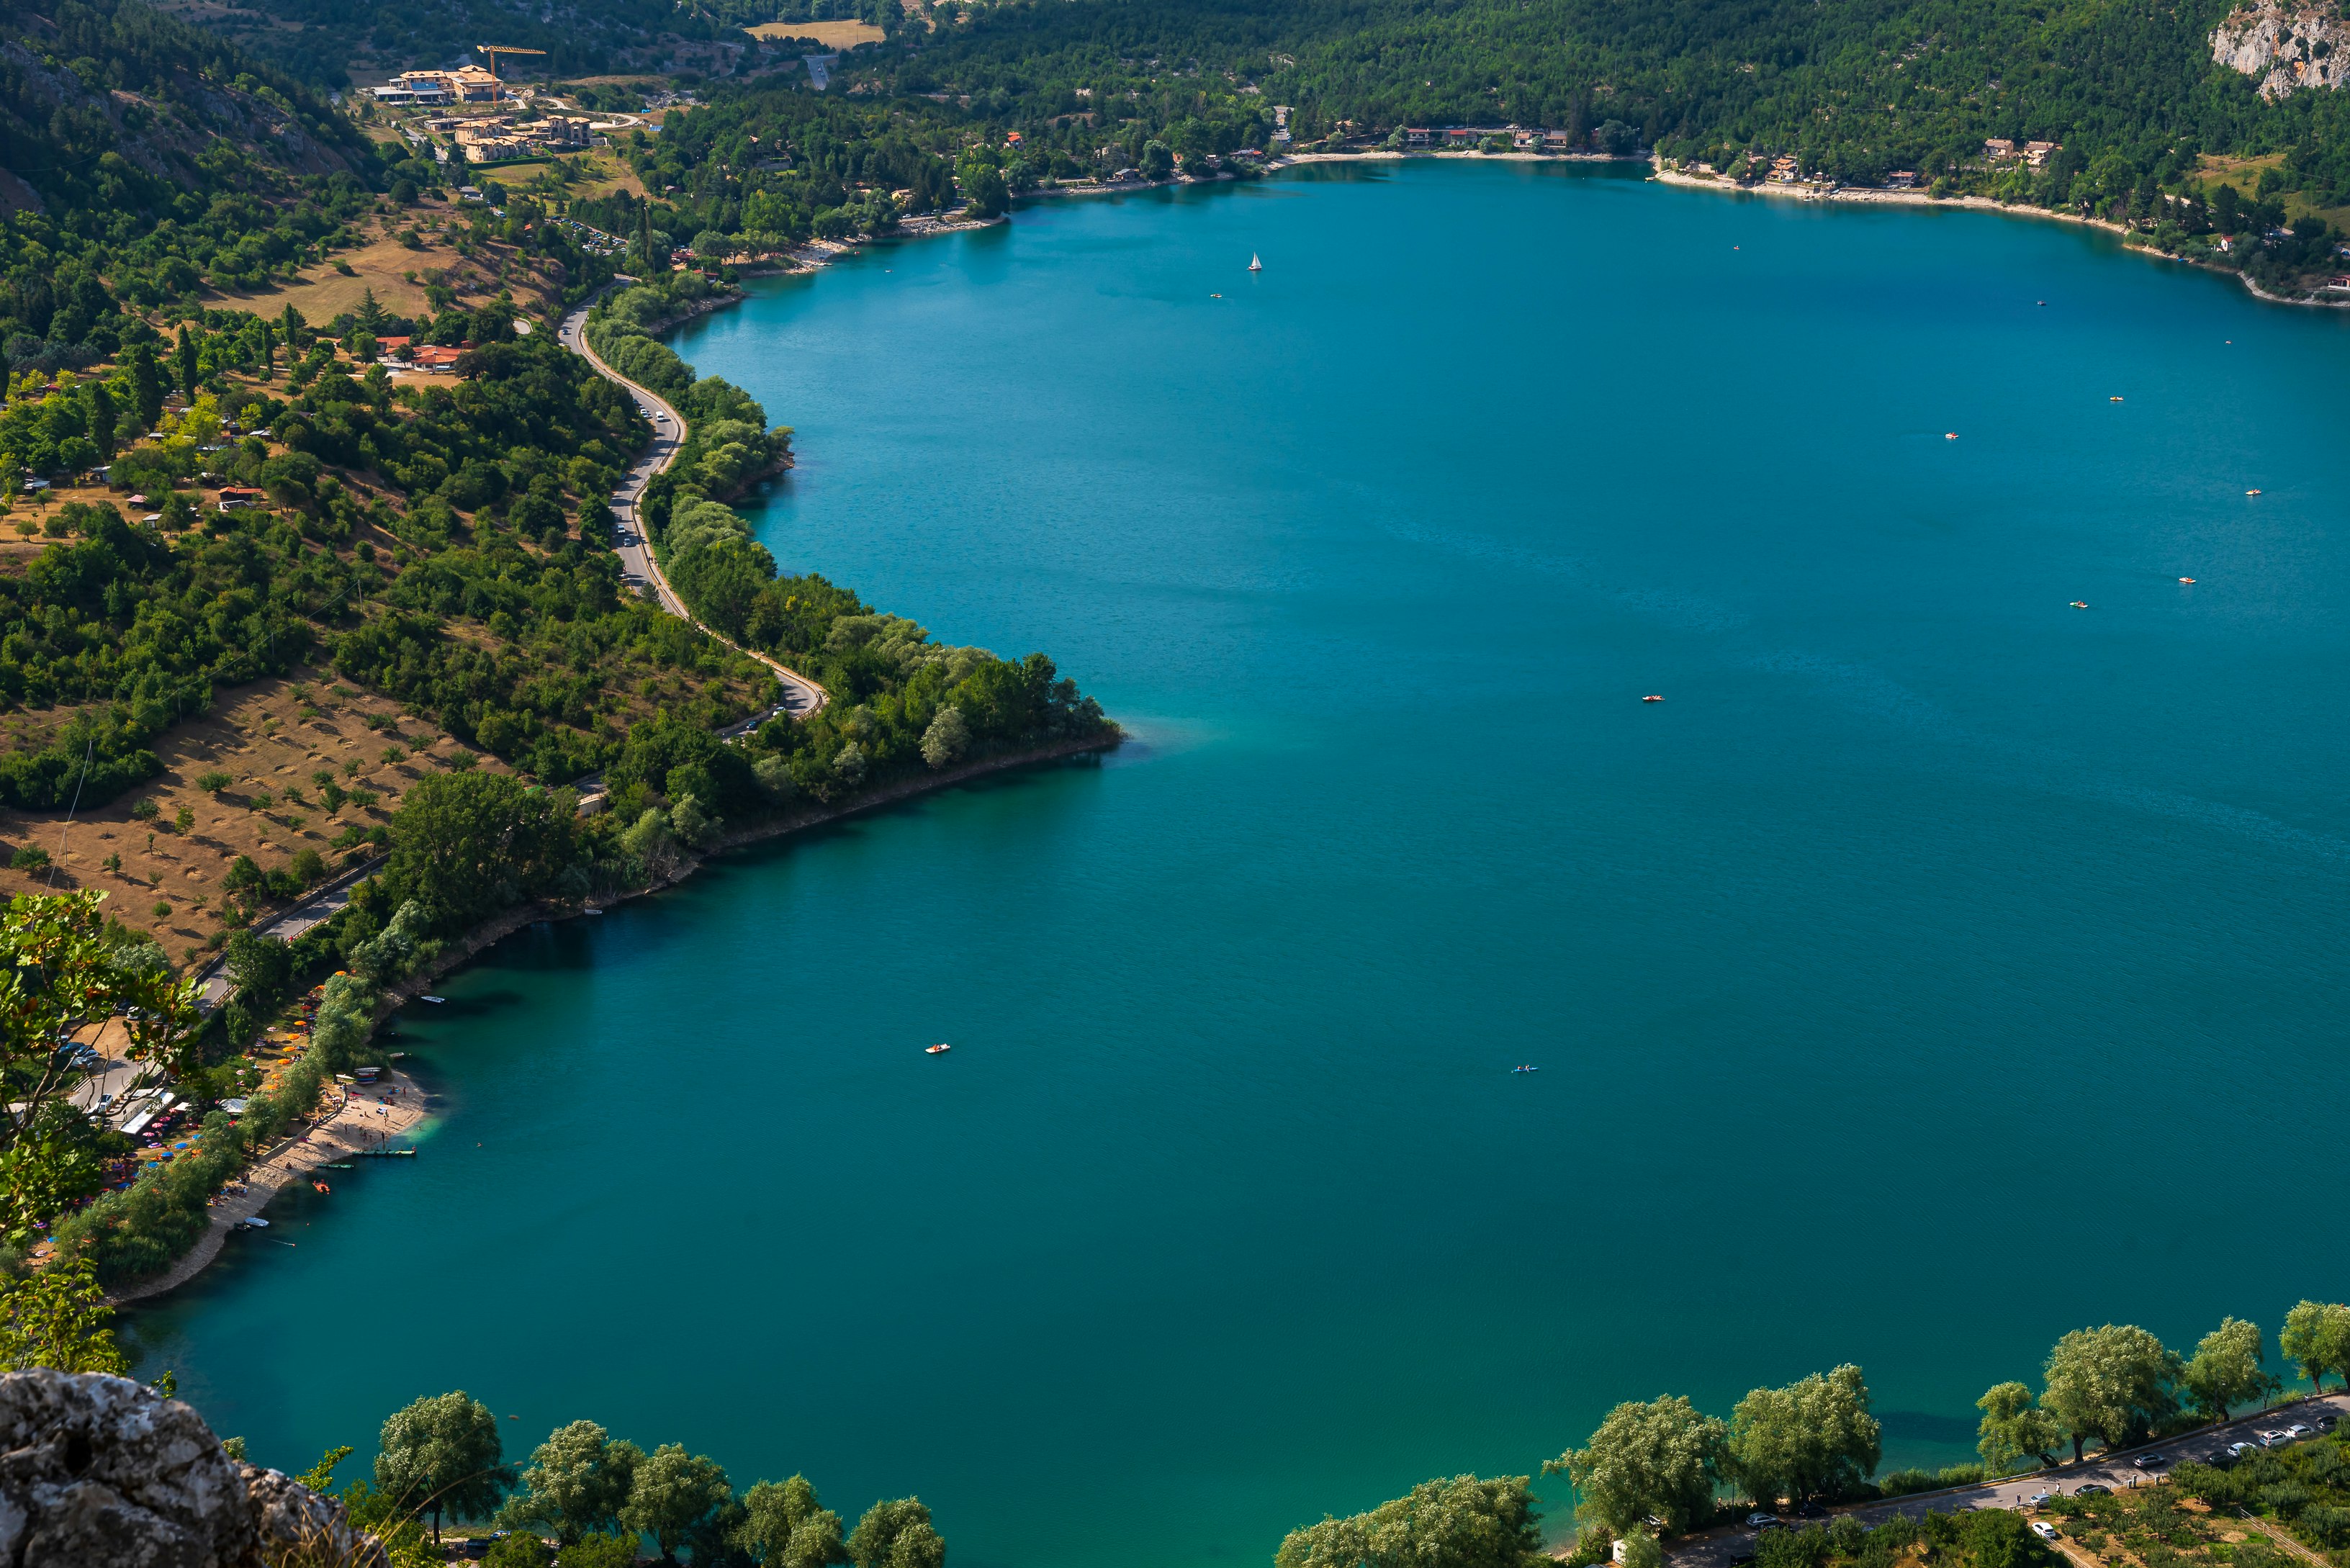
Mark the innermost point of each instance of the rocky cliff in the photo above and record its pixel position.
(102, 1473)
(2287, 47)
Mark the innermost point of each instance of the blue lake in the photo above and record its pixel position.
(1936, 968)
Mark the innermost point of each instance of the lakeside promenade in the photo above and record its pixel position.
(1728, 1544)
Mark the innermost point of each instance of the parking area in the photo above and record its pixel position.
(2147, 1465)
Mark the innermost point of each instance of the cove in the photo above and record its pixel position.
(1939, 968)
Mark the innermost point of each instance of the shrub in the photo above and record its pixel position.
(31, 857)
(146, 811)
(213, 782)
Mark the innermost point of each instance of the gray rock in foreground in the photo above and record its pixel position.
(103, 1472)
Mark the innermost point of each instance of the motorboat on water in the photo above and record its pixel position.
(1529, 1068)
(938, 1049)
(1652, 698)
(2080, 604)
(436, 1001)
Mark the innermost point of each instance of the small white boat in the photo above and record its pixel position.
(436, 1001)
(254, 1223)
(935, 1049)
(1255, 265)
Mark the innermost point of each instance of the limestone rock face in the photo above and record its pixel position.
(103, 1472)
(2286, 46)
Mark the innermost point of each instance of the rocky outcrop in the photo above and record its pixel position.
(103, 1470)
(2287, 47)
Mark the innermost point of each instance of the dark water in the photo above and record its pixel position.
(1938, 969)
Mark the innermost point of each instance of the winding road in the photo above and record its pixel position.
(802, 696)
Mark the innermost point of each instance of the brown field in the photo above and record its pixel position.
(383, 264)
(601, 173)
(830, 34)
(256, 735)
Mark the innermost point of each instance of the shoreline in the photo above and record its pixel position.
(1869, 196)
(325, 1139)
(321, 1141)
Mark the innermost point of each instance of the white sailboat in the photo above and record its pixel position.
(1255, 265)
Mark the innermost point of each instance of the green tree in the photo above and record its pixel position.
(473, 842)
(146, 385)
(58, 1317)
(1464, 1522)
(442, 1452)
(2112, 1383)
(674, 1492)
(2012, 1431)
(102, 417)
(1157, 159)
(604, 1549)
(2227, 1369)
(577, 1482)
(60, 963)
(1661, 1459)
(2317, 1334)
(785, 1524)
(1810, 1438)
(184, 359)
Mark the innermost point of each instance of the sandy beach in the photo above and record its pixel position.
(354, 1119)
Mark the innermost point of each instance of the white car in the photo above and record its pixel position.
(2296, 1431)
(2042, 1529)
(2041, 1499)
(2270, 1438)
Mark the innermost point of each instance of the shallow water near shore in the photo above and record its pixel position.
(1936, 968)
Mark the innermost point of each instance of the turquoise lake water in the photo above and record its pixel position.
(1940, 968)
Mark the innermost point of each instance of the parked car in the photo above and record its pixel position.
(2092, 1488)
(2148, 1461)
(2041, 1499)
(1759, 1520)
(2238, 1450)
(2297, 1431)
(2325, 1423)
(1810, 1511)
(2042, 1529)
(2272, 1438)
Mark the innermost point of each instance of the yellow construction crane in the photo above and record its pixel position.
(494, 50)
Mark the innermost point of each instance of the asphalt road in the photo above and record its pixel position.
(801, 695)
(2118, 1471)
(314, 910)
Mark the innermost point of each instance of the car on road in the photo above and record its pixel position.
(1741, 1556)
(1766, 1522)
(2042, 1529)
(2297, 1431)
(2273, 1437)
(2092, 1488)
(2041, 1499)
(2148, 1461)
(2326, 1423)
(1811, 1511)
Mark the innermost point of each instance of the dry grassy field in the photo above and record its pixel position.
(266, 736)
(829, 35)
(397, 272)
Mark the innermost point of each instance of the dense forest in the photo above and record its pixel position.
(1001, 100)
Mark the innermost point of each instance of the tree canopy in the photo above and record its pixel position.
(2114, 1384)
(1814, 1437)
(1463, 1522)
(1659, 1460)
